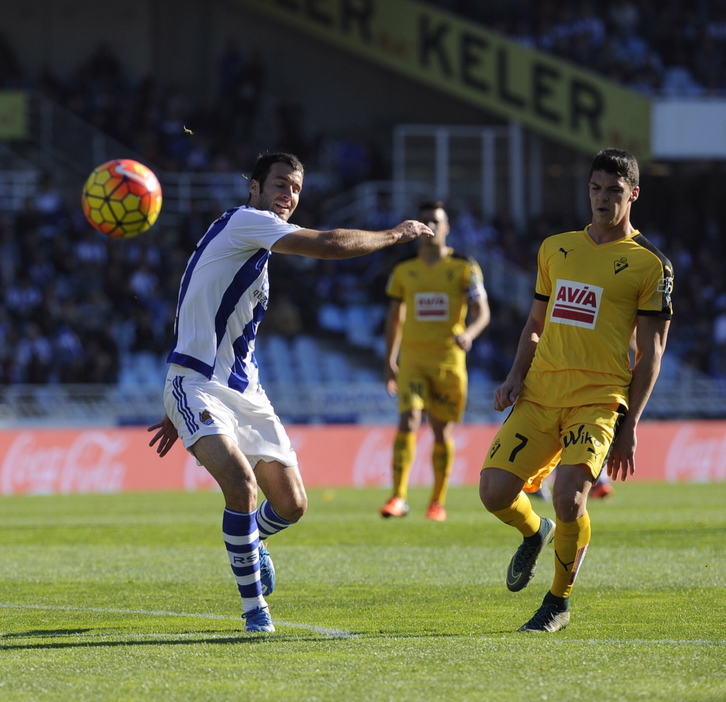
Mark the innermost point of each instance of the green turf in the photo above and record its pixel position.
(366, 609)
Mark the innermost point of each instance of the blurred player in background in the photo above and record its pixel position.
(577, 401)
(213, 397)
(438, 307)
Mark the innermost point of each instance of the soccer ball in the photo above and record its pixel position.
(121, 198)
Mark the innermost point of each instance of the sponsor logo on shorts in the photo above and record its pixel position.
(581, 436)
(576, 304)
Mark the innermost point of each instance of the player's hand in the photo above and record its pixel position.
(410, 230)
(166, 435)
(621, 461)
(506, 394)
(390, 376)
(464, 341)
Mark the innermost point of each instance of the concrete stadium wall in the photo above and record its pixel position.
(68, 461)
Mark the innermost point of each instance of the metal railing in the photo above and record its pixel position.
(686, 397)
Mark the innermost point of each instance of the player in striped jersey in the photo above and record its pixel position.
(213, 397)
(577, 402)
(438, 307)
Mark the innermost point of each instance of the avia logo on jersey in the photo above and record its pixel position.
(576, 304)
(431, 307)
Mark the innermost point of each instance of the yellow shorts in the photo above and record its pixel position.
(427, 383)
(534, 439)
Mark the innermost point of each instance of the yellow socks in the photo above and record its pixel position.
(520, 515)
(571, 540)
(443, 462)
(404, 451)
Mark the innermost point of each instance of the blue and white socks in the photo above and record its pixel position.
(242, 540)
(269, 522)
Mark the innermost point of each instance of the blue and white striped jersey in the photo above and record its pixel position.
(223, 297)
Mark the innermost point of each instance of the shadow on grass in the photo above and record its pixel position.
(139, 640)
(93, 640)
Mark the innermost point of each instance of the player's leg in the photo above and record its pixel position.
(501, 493)
(286, 500)
(285, 503)
(572, 536)
(587, 435)
(569, 498)
(200, 410)
(526, 442)
(446, 402)
(403, 455)
(442, 460)
(229, 467)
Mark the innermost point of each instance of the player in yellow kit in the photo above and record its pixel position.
(576, 400)
(438, 307)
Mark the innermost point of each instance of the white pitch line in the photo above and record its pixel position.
(334, 633)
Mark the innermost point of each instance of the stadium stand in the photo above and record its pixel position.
(78, 309)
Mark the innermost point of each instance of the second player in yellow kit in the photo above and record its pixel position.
(438, 307)
(577, 401)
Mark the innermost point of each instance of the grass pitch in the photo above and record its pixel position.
(130, 597)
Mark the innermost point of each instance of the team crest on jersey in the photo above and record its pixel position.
(576, 304)
(431, 307)
(620, 265)
(206, 418)
(495, 447)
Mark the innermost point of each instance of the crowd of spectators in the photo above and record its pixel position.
(659, 47)
(76, 306)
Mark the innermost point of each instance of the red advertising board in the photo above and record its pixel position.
(62, 461)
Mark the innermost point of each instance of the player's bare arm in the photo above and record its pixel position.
(394, 323)
(348, 243)
(650, 337)
(479, 318)
(508, 392)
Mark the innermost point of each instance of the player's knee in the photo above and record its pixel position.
(569, 504)
(487, 491)
(292, 507)
(409, 422)
(240, 489)
(498, 489)
(569, 494)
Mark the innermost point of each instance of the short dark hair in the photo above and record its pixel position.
(617, 162)
(265, 162)
(431, 205)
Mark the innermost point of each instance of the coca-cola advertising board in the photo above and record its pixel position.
(64, 461)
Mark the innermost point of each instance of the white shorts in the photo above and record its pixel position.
(200, 407)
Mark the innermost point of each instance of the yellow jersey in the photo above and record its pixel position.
(594, 294)
(436, 298)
